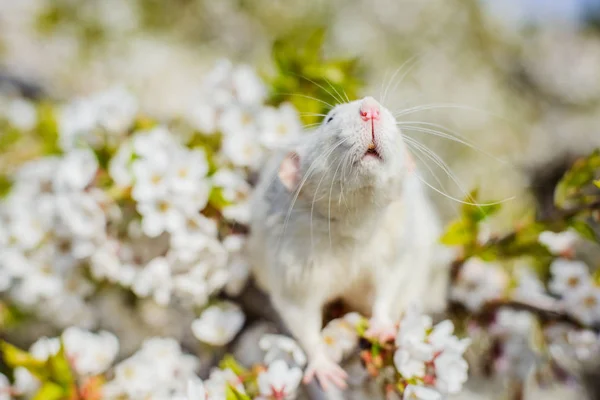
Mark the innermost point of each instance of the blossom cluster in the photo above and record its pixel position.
(429, 358)
(91, 356)
(134, 203)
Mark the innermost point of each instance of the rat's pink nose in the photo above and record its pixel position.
(369, 109)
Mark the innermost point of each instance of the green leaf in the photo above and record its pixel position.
(47, 128)
(50, 391)
(459, 233)
(582, 174)
(8, 137)
(5, 185)
(476, 212)
(232, 393)
(15, 357)
(583, 229)
(217, 200)
(229, 362)
(60, 370)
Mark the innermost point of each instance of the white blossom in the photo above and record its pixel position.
(218, 324)
(279, 127)
(5, 388)
(25, 383)
(243, 150)
(450, 372)
(202, 115)
(97, 120)
(585, 344)
(559, 243)
(340, 339)
(76, 170)
(279, 381)
(584, 304)
(141, 376)
(44, 348)
(155, 280)
(568, 276)
(236, 190)
(414, 392)
(413, 352)
(238, 265)
(479, 282)
(247, 86)
(160, 215)
(217, 382)
(442, 339)
(281, 347)
(90, 354)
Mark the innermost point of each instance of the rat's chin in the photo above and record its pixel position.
(371, 156)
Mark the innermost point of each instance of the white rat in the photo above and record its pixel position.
(344, 215)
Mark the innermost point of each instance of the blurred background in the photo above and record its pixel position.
(520, 78)
(517, 79)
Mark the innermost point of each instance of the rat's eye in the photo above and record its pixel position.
(329, 119)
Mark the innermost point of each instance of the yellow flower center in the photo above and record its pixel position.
(573, 281)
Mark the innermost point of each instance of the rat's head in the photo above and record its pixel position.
(358, 144)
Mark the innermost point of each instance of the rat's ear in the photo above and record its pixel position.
(289, 171)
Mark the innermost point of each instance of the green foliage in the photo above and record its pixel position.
(577, 198)
(232, 393)
(8, 137)
(5, 185)
(465, 230)
(229, 362)
(55, 373)
(579, 186)
(47, 129)
(307, 80)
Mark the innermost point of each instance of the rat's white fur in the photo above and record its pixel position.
(355, 227)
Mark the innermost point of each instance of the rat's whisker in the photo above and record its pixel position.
(435, 176)
(308, 97)
(440, 163)
(437, 160)
(433, 106)
(312, 209)
(445, 135)
(346, 95)
(322, 87)
(338, 93)
(414, 60)
(411, 59)
(330, 194)
(382, 83)
(325, 154)
(312, 114)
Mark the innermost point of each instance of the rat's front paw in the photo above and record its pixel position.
(326, 371)
(382, 331)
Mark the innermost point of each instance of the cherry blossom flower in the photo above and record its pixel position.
(218, 324)
(478, 283)
(5, 388)
(279, 127)
(414, 392)
(217, 383)
(279, 381)
(568, 276)
(561, 243)
(340, 339)
(584, 304)
(155, 280)
(281, 347)
(90, 354)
